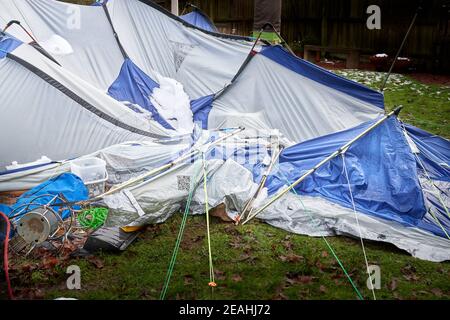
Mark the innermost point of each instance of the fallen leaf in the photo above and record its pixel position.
(220, 275)
(293, 278)
(322, 289)
(411, 277)
(49, 262)
(96, 261)
(236, 278)
(324, 254)
(437, 292)
(287, 245)
(291, 258)
(281, 296)
(393, 285)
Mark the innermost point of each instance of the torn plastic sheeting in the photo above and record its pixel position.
(159, 200)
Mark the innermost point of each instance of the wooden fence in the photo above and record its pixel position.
(342, 23)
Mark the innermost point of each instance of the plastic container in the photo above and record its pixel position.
(93, 173)
(96, 188)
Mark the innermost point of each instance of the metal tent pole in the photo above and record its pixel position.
(383, 86)
(338, 152)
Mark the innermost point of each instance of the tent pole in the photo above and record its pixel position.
(249, 206)
(175, 7)
(166, 166)
(338, 152)
(383, 86)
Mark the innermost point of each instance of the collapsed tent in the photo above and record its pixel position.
(132, 91)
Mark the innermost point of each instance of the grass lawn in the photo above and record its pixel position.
(256, 261)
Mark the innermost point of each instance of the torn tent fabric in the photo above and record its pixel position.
(134, 86)
(380, 166)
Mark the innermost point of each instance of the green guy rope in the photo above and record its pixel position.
(328, 245)
(93, 218)
(179, 237)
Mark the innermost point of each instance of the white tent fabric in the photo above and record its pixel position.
(203, 63)
(96, 58)
(268, 95)
(154, 41)
(49, 111)
(123, 161)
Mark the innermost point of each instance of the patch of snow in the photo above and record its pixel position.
(57, 45)
(173, 104)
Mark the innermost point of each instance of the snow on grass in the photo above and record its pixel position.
(396, 83)
(425, 105)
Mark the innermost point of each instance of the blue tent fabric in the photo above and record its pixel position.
(199, 20)
(381, 168)
(322, 76)
(434, 153)
(201, 108)
(7, 44)
(433, 162)
(67, 184)
(134, 86)
(436, 211)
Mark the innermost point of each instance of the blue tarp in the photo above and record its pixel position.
(199, 20)
(201, 109)
(134, 86)
(381, 168)
(66, 184)
(7, 44)
(322, 76)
